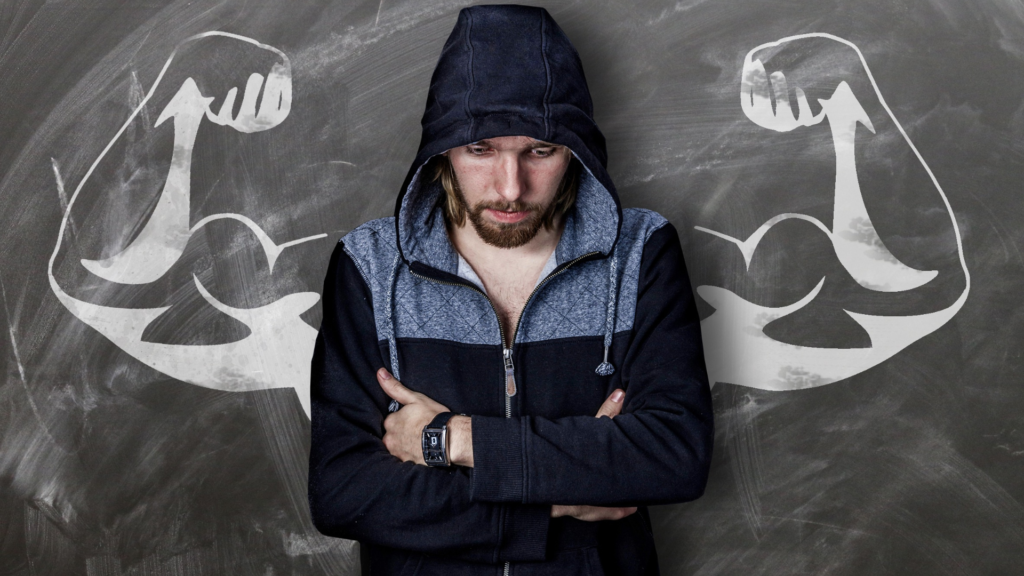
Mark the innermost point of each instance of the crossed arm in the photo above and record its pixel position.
(656, 450)
(403, 429)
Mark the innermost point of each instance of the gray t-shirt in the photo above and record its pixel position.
(466, 271)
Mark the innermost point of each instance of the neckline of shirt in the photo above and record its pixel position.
(466, 272)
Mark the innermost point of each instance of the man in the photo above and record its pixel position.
(512, 290)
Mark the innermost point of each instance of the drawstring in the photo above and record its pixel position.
(390, 327)
(605, 368)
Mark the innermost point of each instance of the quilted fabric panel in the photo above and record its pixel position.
(574, 303)
(426, 308)
(422, 308)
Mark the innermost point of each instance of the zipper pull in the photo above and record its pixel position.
(510, 374)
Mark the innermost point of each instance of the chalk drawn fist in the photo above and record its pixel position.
(765, 99)
(266, 96)
(274, 105)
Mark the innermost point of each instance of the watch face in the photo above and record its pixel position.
(433, 446)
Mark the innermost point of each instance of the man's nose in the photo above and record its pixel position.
(509, 178)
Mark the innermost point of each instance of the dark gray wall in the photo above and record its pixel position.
(108, 466)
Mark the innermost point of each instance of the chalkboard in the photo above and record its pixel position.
(845, 177)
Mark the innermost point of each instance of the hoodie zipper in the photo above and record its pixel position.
(510, 380)
(510, 373)
(506, 348)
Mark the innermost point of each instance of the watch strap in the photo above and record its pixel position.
(441, 419)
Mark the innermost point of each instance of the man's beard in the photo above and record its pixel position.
(506, 234)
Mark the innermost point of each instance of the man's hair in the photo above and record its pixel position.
(455, 209)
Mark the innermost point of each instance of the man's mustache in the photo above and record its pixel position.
(514, 206)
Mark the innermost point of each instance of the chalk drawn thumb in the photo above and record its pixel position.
(736, 348)
(276, 353)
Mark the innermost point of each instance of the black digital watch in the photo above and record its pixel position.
(435, 440)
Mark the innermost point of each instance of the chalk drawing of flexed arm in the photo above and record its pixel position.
(276, 352)
(856, 242)
(738, 351)
(162, 241)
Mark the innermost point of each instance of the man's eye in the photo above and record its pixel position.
(543, 152)
(478, 150)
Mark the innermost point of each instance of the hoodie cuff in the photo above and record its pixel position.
(525, 533)
(497, 459)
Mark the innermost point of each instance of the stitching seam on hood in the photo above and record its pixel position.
(469, 48)
(547, 75)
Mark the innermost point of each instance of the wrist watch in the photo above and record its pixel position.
(435, 440)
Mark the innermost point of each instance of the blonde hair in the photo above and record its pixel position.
(455, 209)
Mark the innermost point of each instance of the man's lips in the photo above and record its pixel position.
(507, 217)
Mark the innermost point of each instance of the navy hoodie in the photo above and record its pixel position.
(617, 311)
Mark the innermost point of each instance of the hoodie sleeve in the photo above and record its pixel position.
(656, 451)
(358, 490)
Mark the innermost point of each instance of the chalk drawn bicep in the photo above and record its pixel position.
(738, 350)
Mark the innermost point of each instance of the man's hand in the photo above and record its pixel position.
(612, 404)
(611, 408)
(591, 513)
(403, 429)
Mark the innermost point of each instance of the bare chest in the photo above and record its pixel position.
(509, 292)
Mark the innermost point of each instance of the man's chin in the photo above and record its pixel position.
(506, 235)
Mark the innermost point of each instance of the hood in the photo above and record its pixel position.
(507, 70)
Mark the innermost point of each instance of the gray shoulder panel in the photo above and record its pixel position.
(373, 249)
(575, 303)
(422, 308)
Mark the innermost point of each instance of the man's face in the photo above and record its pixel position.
(508, 186)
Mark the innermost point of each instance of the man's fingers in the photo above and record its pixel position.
(598, 513)
(394, 388)
(592, 513)
(615, 513)
(623, 512)
(612, 405)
